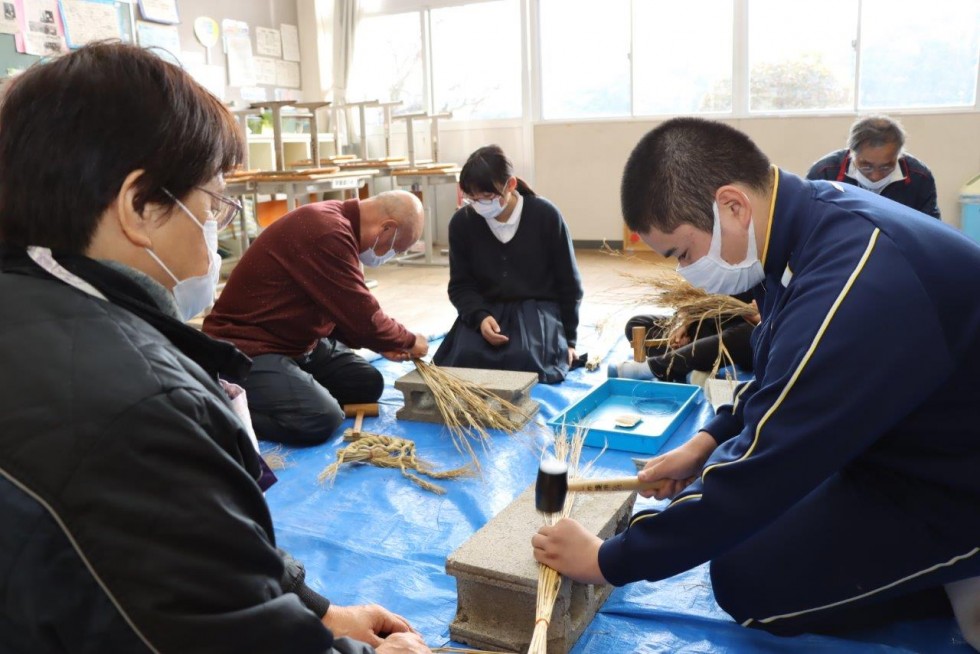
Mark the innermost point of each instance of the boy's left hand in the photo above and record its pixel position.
(571, 550)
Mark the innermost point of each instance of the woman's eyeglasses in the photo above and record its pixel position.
(223, 209)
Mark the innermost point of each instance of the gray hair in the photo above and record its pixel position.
(405, 209)
(875, 131)
(402, 206)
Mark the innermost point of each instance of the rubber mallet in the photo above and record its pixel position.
(553, 485)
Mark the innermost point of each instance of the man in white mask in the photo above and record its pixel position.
(841, 488)
(297, 303)
(875, 160)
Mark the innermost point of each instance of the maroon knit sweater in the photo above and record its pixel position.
(299, 282)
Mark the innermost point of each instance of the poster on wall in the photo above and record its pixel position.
(238, 48)
(164, 39)
(160, 11)
(8, 19)
(268, 42)
(265, 71)
(287, 74)
(41, 31)
(89, 20)
(290, 42)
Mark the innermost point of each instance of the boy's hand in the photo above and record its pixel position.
(571, 550)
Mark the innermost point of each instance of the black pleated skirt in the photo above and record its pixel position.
(537, 342)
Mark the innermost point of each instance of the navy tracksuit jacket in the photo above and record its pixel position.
(848, 471)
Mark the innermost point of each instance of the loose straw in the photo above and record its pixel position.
(549, 581)
(389, 452)
(468, 409)
(692, 306)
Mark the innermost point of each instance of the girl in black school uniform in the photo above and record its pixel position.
(512, 276)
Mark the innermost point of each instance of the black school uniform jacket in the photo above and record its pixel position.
(130, 518)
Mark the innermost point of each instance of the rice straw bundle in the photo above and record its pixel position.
(691, 305)
(549, 581)
(468, 409)
(389, 452)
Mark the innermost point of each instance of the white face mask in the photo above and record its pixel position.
(715, 275)
(195, 294)
(371, 259)
(489, 209)
(875, 187)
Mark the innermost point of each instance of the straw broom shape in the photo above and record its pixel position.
(549, 581)
(468, 409)
(389, 452)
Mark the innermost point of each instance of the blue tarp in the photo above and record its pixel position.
(375, 537)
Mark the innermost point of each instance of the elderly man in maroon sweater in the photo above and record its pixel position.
(296, 303)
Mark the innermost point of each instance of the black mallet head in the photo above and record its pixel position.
(552, 486)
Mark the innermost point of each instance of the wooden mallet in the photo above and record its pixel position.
(553, 485)
(358, 411)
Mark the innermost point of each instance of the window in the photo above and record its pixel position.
(388, 61)
(916, 54)
(619, 58)
(801, 56)
(682, 57)
(585, 66)
(476, 60)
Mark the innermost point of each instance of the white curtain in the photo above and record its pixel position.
(344, 29)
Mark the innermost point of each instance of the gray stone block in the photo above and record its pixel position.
(497, 576)
(514, 387)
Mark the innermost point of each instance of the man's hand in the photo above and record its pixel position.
(403, 644)
(491, 332)
(570, 549)
(679, 467)
(365, 623)
(421, 347)
(679, 337)
(571, 356)
(418, 350)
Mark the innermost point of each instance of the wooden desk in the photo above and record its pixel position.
(426, 181)
(296, 188)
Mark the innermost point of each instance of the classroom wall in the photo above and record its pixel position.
(257, 13)
(578, 165)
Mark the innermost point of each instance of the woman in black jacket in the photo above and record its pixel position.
(512, 276)
(131, 515)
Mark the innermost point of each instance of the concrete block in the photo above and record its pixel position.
(514, 387)
(497, 576)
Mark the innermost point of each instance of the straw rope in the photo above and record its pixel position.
(389, 452)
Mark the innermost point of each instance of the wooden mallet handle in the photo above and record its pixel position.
(359, 411)
(617, 484)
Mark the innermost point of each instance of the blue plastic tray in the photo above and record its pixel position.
(660, 406)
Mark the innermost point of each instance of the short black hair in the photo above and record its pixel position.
(674, 171)
(73, 128)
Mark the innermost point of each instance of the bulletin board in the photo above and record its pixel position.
(10, 59)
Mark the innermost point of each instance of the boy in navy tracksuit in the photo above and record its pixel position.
(842, 486)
